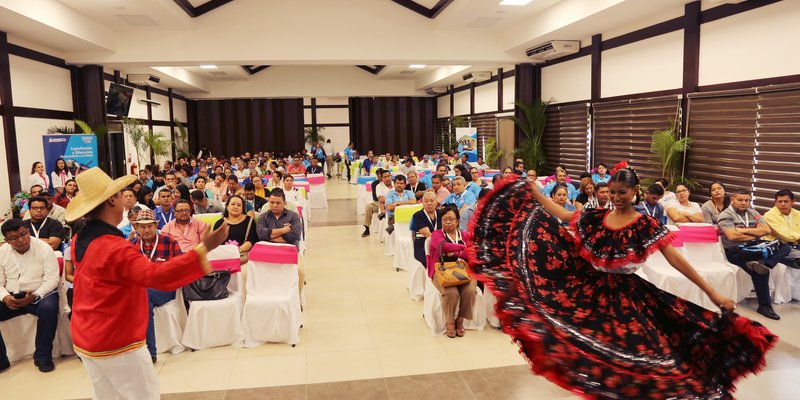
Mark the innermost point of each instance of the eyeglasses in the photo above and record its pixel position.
(182, 211)
(39, 208)
(449, 219)
(22, 235)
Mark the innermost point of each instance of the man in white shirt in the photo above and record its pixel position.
(328, 147)
(408, 167)
(28, 283)
(381, 190)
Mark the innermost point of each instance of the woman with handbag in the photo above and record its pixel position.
(448, 271)
(242, 227)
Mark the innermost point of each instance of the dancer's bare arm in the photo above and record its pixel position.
(682, 265)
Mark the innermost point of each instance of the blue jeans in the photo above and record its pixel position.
(156, 298)
(47, 313)
(760, 282)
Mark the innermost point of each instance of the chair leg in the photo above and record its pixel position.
(293, 345)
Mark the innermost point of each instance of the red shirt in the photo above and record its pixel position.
(110, 297)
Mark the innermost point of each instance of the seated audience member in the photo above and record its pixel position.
(232, 189)
(740, 223)
(668, 195)
(69, 191)
(408, 167)
(315, 168)
(650, 205)
(42, 227)
(128, 202)
(602, 198)
(145, 197)
(144, 177)
(423, 223)
(204, 205)
(252, 203)
(218, 186)
(36, 190)
(559, 196)
(464, 160)
(281, 225)
(28, 285)
(242, 228)
(533, 178)
(449, 244)
(426, 162)
(260, 189)
(440, 170)
(200, 186)
(296, 167)
(584, 179)
(682, 210)
(276, 181)
(561, 177)
(462, 199)
(551, 178)
(716, 204)
(585, 194)
(290, 192)
(447, 184)
(368, 163)
(480, 165)
(156, 181)
(171, 180)
(157, 248)
(56, 212)
(784, 220)
(163, 213)
(601, 174)
(379, 205)
(415, 186)
(185, 230)
(472, 187)
(128, 230)
(437, 188)
(508, 171)
(397, 197)
(476, 178)
(38, 176)
(252, 175)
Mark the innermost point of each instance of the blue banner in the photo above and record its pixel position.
(468, 143)
(78, 149)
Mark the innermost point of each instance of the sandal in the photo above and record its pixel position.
(460, 327)
(451, 331)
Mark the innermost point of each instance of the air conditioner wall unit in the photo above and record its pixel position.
(553, 49)
(477, 76)
(144, 79)
(436, 90)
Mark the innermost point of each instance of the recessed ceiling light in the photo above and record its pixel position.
(417, 66)
(208, 66)
(515, 2)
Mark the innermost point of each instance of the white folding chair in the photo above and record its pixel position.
(317, 196)
(491, 314)
(169, 321)
(403, 237)
(217, 323)
(272, 309)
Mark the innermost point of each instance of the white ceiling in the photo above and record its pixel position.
(158, 36)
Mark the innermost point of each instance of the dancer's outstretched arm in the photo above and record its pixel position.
(682, 265)
(549, 205)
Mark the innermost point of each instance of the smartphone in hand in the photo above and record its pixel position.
(20, 295)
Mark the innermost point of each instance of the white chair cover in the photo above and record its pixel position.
(382, 225)
(361, 199)
(793, 277)
(491, 314)
(318, 198)
(272, 310)
(403, 246)
(168, 322)
(434, 318)
(218, 322)
(417, 275)
(388, 243)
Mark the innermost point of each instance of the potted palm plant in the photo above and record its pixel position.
(313, 135)
(666, 156)
(531, 150)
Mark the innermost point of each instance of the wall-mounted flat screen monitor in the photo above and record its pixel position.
(119, 100)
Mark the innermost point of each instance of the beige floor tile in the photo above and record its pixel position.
(414, 360)
(30, 383)
(343, 366)
(335, 299)
(481, 349)
(322, 318)
(268, 371)
(339, 338)
(195, 375)
(81, 389)
(215, 353)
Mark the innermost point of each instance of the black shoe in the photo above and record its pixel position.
(390, 229)
(4, 365)
(757, 267)
(366, 233)
(768, 312)
(381, 216)
(45, 365)
(154, 358)
(795, 264)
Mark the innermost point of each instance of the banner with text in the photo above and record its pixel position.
(468, 143)
(77, 150)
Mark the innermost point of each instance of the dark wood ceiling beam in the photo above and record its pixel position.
(372, 69)
(254, 69)
(422, 10)
(195, 12)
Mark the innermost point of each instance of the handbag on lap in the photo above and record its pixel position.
(450, 273)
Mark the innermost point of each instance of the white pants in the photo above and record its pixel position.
(128, 376)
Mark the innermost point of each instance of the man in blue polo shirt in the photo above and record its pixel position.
(367, 164)
(398, 197)
(464, 200)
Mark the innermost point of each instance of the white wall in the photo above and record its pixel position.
(645, 66)
(160, 113)
(179, 110)
(568, 81)
(509, 93)
(443, 106)
(461, 103)
(757, 44)
(39, 85)
(486, 98)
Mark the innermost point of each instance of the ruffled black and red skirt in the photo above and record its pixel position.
(602, 335)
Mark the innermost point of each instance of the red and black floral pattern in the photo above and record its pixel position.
(602, 335)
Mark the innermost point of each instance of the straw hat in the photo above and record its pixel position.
(95, 188)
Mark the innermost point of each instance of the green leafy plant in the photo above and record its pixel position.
(493, 154)
(313, 135)
(158, 144)
(181, 142)
(531, 150)
(666, 156)
(136, 132)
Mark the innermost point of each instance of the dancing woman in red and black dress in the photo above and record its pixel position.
(585, 320)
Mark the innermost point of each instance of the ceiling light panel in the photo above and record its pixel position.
(515, 2)
(417, 66)
(208, 66)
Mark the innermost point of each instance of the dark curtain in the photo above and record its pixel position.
(392, 124)
(527, 88)
(234, 126)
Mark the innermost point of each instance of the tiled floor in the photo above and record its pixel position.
(363, 338)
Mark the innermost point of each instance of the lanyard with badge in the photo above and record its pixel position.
(165, 219)
(152, 252)
(36, 231)
(652, 214)
(745, 220)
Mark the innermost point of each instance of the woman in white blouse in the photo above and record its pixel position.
(60, 175)
(38, 177)
(682, 210)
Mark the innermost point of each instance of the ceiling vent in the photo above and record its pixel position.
(553, 49)
(218, 73)
(408, 72)
(137, 20)
(143, 79)
(436, 90)
(477, 76)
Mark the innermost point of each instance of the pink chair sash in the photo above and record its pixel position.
(304, 185)
(300, 211)
(421, 173)
(315, 180)
(698, 234)
(60, 266)
(232, 265)
(274, 254)
(678, 241)
(368, 186)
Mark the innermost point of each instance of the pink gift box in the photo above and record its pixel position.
(273, 254)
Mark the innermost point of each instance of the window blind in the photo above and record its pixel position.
(566, 137)
(777, 143)
(487, 128)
